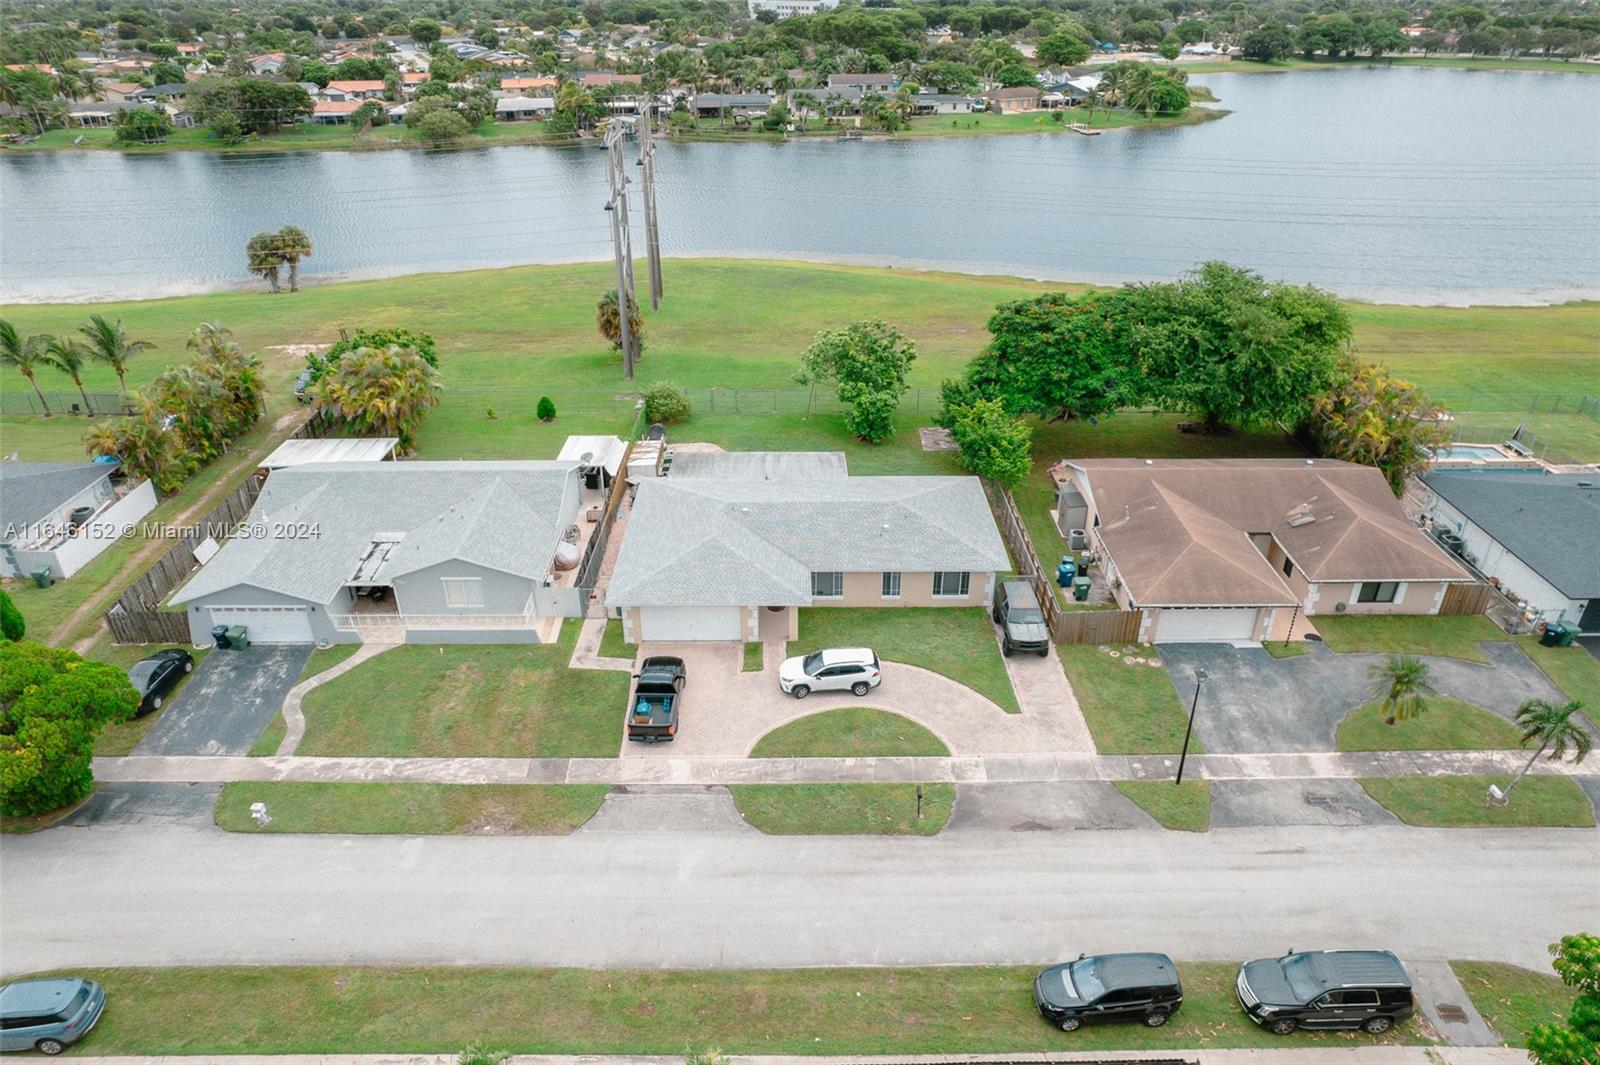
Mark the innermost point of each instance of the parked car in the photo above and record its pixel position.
(1366, 989)
(851, 669)
(155, 677)
(1021, 621)
(653, 710)
(48, 1015)
(1109, 987)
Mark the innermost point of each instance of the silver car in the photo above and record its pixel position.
(48, 1015)
(851, 669)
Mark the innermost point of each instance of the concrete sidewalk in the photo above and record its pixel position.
(1373, 1055)
(1021, 768)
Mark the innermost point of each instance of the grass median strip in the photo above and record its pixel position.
(439, 1010)
(1181, 807)
(844, 809)
(852, 732)
(1461, 802)
(1419, 634)
(1446, 725)
(1131, 708)
(1513, 999)
(411, 809)
(753, 658)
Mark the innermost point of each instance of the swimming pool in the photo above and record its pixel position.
(1469, 452)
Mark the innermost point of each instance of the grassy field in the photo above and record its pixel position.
(1459, 802)
(1131, 709)
(1412, 634)
(957, 642)
(325, 658)
(1513, 999)
(844, 809)
(850, 1012)
(411, 809)
(1183, 807)
(1447, 725)
(853, 732)
(303, 137)
(463, 700)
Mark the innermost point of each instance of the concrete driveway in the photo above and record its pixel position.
(1253, 703)
(228, 701)
(143, 803)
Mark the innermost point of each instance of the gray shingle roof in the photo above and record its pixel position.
(32, 492)
(501, 515)
(1550, 521)
(712, 542)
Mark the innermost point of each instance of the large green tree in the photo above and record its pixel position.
(992, 443)
(1059, 356)
(868, 361)
(1577, 1042)
(1062, 49)
(108, 342)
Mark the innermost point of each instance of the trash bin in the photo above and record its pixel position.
(1551, 637)
(1080, 589)
(238, 637)
(219, 633)
(1067, 570)
(42, 578)
(1567, 632)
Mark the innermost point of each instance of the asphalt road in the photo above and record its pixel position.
(164, 895)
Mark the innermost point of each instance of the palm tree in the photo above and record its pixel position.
(265, 258)
(294, 244)
(26, 355)
(610, 325)
(208, 338)
(67, 355)
(1402, 682)
(143, 443)
(1555, 727)
(109, 343)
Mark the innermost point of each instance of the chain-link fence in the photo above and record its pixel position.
(1521, 403)
(15, 400)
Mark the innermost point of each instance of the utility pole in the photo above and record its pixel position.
(621, 244)
(652, 237)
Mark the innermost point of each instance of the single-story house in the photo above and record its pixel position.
(269, 63)
(1536, 535)
(523, 108)
(594, 79)
(60, 515)
(334, 112)
(721, 558)
(424, 552)
(353, 90)
(1219, 550)
(118, 91)
(717, 104)
(1013, 101)
(942, 103)
(879, 82)
(528, 86)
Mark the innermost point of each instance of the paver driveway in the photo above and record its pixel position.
(1253, 703)
(228, 701)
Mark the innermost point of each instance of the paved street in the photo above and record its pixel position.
(194, 895)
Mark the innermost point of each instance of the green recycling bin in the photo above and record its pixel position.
(43, 578)
(1568, 633)
(238, 637)
(1080, 589)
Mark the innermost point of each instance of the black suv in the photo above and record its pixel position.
(1022, 625)
(1109, 987)
(1366, 989)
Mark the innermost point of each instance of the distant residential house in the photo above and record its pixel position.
(594, 79)
(717, 104)
(524, 86)
(268, 63)
(880, 82)
(117, 91)
(42, 68)
(523, 108)
(353, 90)
(164, 91)
(1013, 100)
(57, 516)
(334, 112)
(190, 49)
(942, 103)
(785, 8)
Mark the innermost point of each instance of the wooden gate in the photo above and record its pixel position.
(1466, 599)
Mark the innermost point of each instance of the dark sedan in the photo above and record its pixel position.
(156, 676)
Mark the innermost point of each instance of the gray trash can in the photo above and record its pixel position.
(43, 578)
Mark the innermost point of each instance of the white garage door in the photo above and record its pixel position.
(1205, 626)
(691, 622)
(268, 624)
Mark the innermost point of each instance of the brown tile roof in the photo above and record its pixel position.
(356, 86)
(1179, 530)
(1016, 93)
(337, 107)
(527, 83)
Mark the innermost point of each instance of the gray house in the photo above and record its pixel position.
(59, 515)
(418, 552)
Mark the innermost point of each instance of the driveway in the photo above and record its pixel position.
(228, 701)
(1253, 703)
(142, 803)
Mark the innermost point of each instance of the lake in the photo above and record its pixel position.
(1398, 184)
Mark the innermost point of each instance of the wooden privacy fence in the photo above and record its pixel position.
(1097, 626)
(1466, 599)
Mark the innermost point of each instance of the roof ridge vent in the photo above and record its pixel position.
(1302, 518)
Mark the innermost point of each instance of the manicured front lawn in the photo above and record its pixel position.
(1513, 999)
(325, 658)
(955, 641)
(1447, 725)
(1460, 802)
(853, 732)
(612, 645)
(464, 700)
(439, 1010)
(1453, 636)
(844, 809)
(1130, 708)
(1185, 807)
(1292, 649)
(411, 809)
(1572, 669)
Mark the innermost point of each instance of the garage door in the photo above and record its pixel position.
(691, 622)
(1205, 626)
(268, 624)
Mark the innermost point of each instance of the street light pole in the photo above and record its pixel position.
(1199, 679)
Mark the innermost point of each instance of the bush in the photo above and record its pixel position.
(956, 394)
(992, 443)
(226, 128)
(370, 113)
(442, 127)
(871, 416)
(142, 125)
(12, 626)
(392, 337)
(666, 402)
(546, 409)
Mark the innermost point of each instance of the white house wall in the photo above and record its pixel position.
(1517, 579)
(103, 530)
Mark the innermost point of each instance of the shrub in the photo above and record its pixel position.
(992, 443)
(956, 394)
(871, 416)
(442, 127)
(142, 125)
(546, 409)
(12, 626)
(666, 402)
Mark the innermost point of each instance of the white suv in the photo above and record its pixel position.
(852, 669)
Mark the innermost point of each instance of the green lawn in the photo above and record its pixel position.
(1447, 725)
(1460, 802)
(1280, 649)
(1184, 807)
(306, 136)
(754, 658)
(612, 644)
(955, 641)
(853, 732)
(464, 700)
(411, 809)
(1572, 669)
(1513, 999)
(844, 809)
(986, 123)
(325, 658)
(1455, 636)
(121, 737)
(271, 737)
(845, 1011)
(1131, 709)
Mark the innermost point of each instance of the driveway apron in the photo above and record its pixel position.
(228, 701)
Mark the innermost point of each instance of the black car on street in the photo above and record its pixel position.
(1366, 989)
(1109, 987)
(156, 676)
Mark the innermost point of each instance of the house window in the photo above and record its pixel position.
(891, 586)
(827, 585)
(1288, 567)
(462, 591)
(951, 585)
(1377, 592)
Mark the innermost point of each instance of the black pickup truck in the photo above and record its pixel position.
(653, 707)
